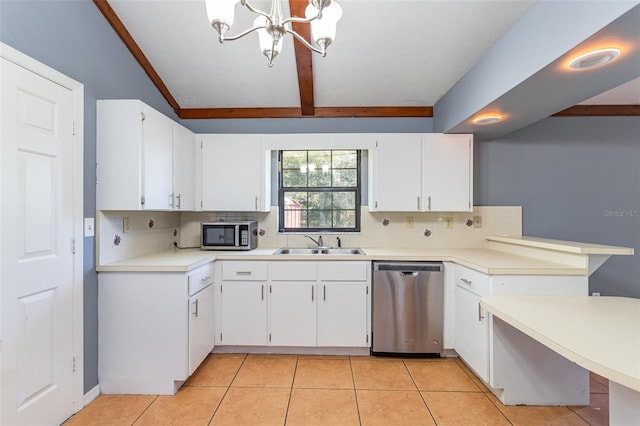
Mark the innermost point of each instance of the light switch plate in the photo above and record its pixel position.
(89, 230)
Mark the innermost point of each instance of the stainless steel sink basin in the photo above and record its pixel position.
(307, 251)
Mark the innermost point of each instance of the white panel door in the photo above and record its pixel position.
(201, 327)
(447, 172)
(292, 313)
(184, 164)
(342, 314)
(396, 173)
(232, 173)
(243, 316)
(37, 278)
(157, 145)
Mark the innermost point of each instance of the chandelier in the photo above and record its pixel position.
(322, 15)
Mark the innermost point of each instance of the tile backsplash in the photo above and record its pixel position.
(389, 230)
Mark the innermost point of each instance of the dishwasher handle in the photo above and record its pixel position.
(409, 268)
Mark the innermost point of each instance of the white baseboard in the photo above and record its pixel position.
(91, 395)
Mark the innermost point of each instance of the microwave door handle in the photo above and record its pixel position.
(237, 239)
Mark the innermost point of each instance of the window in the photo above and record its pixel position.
(319, 190)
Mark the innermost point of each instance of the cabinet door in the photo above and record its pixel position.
(201, 330)
(472, 332)
(292, 313)
(157, 146)
(243, 313)
(395, 173)
(233, 173)
(342, 314)
(184, 162)
(447, 172)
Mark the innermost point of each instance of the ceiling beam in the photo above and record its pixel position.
(600, 111)
(304, 61)
(321, 112)
(113, 19)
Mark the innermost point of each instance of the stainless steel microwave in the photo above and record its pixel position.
(229, 235)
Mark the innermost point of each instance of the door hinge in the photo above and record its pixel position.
(367, 337)
(221, 337)
(142, 116)
(73, 366)
(376, 144)
(142, 200)
(220, 288)
(73, 246)
(73, 128)
(269, 337)
(367, 290)
(201, 204)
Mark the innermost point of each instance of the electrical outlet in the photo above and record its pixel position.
(126, 225)
(447, 222)
(409, 222)
(595, 294)
(477, 221)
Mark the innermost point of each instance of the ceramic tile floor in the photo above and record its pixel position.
(239, 389)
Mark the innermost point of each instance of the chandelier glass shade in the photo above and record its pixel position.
(321, 15)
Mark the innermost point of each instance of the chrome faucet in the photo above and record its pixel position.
(318, 242)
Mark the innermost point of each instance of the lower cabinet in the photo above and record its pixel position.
(342, 314)
(473, 327)
(293, 303)
(154, 329)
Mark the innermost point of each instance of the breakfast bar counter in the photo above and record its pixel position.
(601, 334)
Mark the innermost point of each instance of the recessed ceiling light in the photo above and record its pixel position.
(594, 58)
(487, 119)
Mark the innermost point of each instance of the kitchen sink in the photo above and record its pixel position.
(322, 250)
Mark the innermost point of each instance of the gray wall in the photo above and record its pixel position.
(602, 171)
(576, 179)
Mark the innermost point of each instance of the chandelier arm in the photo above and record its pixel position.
(299, 20)
(305, 42)
(242, 34)
(256, 10)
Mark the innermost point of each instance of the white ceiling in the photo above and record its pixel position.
(386, 53)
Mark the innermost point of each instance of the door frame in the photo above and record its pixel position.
(77, 89)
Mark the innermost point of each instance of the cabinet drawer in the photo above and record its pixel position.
(474, 281)
(293, 271)
(244, 271)
(200, 278)
(343, 271)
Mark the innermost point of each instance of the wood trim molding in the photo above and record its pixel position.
(599, 111)
(115, 22)
(304, 60)
(320, 112)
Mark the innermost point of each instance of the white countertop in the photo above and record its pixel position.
(559, 245)
(601, 334)
(483, 260)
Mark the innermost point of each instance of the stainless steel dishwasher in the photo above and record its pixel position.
(408, 299)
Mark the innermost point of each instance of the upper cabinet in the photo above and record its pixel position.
(144, 159)
(235, 173)
(422, 173)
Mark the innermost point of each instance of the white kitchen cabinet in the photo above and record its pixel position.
(184, 175)
(305, 303)
(343, 301)
(292, 303)
(201, 326)
(421, 173)
(135, 157)
(447, 171)
(471, 325)
(473, 329)
(292, 313)
(342, 314)
(149, 340)
(235, 173)
(243, 313)
(242, 305)
(395, 175)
